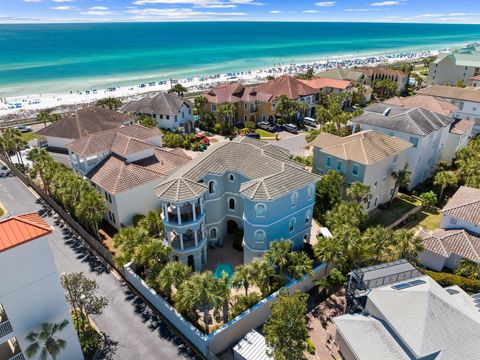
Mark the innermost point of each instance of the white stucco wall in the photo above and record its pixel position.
(174, 121)
(450, 223)
(431, 260)
(447, 73)
(57, 141)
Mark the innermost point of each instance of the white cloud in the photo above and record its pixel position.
(179, 13)
(98, 12)
(281, 12)
(64, 7)
(326, 3)
(219, 4)
(310, 11)
(33, 1)
(361, 10)
(385, 3)
(98, 8)
(62, 1)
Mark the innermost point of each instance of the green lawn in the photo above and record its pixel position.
(264, 133)
(1, 212)
(28, 136)
(426, 219)
(400, 206)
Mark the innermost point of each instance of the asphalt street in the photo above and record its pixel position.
(134, 332)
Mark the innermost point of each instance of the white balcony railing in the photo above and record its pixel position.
(18, 357)
(5, 328)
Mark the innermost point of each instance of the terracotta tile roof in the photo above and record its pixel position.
(343, 74)
(115, 175)
(464, 205)
(365, 147)
(105, 140)
(84, 122)
(460, 127)
(323, 82)
(452, 92)
(382, 71)
(180, 189)
(448, 242)
(475, 77)
(427, 102)
(124, 145)
(20, 229)
(287, 85)
(251, 158)
(225, 93)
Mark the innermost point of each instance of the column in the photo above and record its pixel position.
(165, 211)
(196, 238)
(201, 205)
(194, 212)
(181, 241)
(179, 214)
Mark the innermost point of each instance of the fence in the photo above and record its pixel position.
(234, 330)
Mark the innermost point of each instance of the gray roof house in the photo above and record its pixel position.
(425, 129)
(244, 184)
(411, 319)
(168, 109)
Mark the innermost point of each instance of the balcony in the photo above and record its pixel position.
(10, 350)
(186, 214)
(188, 240)
(5, 326)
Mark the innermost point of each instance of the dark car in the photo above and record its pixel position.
(291, 128)
(253, 135)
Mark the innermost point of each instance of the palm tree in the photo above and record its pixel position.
(153, 223)
(359, 192)
(443, 180)
(178, 89)
(277, 255)
(299, 265)
(227, 112)
(199, 106)
(43, 116)
(42, 163)
(223, 293)
(469, 269)
(263, 271)
(90, 210)
(242, 277)
(198, 292)
(402, 180)
(111, 102)
(379, 241)
(153, 255)
(407, 244)
(46, 342)
(127, 240)
(173, 274)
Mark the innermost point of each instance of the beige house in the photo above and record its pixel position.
(449, 68)
(369, 157)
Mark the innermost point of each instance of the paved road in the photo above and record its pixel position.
(293, 143)
(134, 331)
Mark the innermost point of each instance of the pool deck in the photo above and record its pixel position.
(225, 254)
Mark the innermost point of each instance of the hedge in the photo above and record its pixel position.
(471, 286)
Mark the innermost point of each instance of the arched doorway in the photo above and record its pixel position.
(271, 119)
(191, 262)
(232, 226)
(253, 118)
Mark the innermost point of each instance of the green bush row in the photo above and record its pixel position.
(471, 286)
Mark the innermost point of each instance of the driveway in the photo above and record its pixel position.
(295, 143)
(134, 332)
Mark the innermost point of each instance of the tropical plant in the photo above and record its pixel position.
(468, 269)
(460, 84)
(468, 164)
(111, 102)
(286, 330)
(346, 213)
(407, 244)
(227, 112)
(171, 276)
(379, 241)
(443, 180)
(198, 292)
(43, 116)
(327, 283)
(428, 199)
(243, 277)
(178, 89)
(242, 303)
(127, 240)
(46, 341)
(146, 121)
(13, 143)
(384, 88)
(328, 193)
(263, 272)
(223, 293)
(90, 210)
(153, 255)
(299, 265)
(278, 255)
(308, 75)
(402, 180)
(200, 103)
(359, 192)
(153, 223)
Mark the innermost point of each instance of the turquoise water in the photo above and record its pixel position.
(61, 57)
(221, 268)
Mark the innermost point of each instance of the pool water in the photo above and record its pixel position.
(223, 267)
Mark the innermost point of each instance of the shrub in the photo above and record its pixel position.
(471, 286)
(136, 219)
(238, 240)
(310, 347)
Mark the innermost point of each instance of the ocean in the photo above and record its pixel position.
(40, 58)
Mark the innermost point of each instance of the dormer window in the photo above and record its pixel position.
(260, 210)
(294, 199)
(212, 187)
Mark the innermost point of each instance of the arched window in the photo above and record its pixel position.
(231, 203)
(260, 210)
(231, 177)
(310, 191)
(291, 224)
(211, 187)
(294, 199)
(259, 236)
(213, 233)
(308, 216)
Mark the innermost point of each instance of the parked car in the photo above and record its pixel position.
(265, 125)
(310, 122)
(291, 128)
(23, 128)
(253, 135)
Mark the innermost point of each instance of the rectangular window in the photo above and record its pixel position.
(167, 117)
(453, 221)
(214, 107)
(414, 141)
(176, 118)
(339, 165)
(355, 169)
(113, 217)
(161, 116)
(395, 159)
(329, 162)
(245, 106)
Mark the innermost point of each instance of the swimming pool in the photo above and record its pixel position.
(223, 267)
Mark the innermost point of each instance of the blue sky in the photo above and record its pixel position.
(436, 11)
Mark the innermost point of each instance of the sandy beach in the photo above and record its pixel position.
(26, 106)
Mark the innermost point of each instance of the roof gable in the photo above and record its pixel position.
(464, 205)
(20, 229)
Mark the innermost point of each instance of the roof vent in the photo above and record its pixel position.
(387, 111)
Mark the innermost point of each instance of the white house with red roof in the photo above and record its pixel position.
(30, 288)
(459, 235)
(125, 165)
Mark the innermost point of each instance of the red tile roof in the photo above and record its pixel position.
(20, 229)
(448, 242)
(322, 82)
(464, 205)
(287, 85)
(460, 127)
(382, 71)
(427, 102)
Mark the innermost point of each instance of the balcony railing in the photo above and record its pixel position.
(188, 241)
(18, 357)
(5, 328)
(185, 217)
